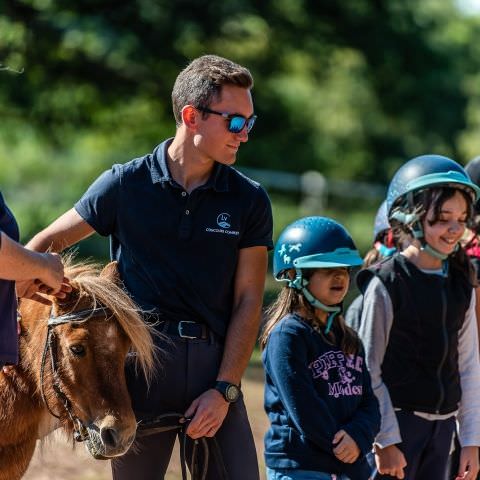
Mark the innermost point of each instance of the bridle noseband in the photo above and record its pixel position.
(80, 432)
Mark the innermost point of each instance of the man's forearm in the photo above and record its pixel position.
(243, 328)
(239, 343)
(65, 231)
(18, 263)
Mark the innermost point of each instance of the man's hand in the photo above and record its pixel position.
(208, 410)
(49, 279)
(346, 449)
(52, 274)
(31, 288)
(390, 461)
(468, 467)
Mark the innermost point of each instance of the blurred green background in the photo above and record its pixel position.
(350, 89)
(347, 88)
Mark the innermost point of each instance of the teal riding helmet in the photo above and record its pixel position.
(313, 242)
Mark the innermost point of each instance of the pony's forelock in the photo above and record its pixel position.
(104, 291)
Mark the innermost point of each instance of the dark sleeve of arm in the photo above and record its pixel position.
(99, 205)
(365, 423)
(259, 226)
(287, 364)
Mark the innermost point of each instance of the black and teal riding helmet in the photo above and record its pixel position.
(421, 173)
(313, 242)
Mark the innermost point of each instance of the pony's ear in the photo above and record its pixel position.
(110, 271)
(63, 304)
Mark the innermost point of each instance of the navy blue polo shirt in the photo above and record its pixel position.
(177, 252)
(8, 299)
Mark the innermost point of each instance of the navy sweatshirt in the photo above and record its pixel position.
(313, 390)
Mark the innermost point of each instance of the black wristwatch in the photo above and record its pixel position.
(231, 392)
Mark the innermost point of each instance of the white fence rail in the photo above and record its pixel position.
(314, 187)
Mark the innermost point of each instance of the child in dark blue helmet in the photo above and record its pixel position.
(419, 329)
(383, 246)
(318, 397)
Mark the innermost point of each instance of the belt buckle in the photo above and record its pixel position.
(180, 330)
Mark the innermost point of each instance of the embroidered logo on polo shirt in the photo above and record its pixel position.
(223, 221)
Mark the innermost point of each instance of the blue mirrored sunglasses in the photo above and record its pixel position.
(236, 122)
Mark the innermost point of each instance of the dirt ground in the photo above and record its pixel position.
(57, 460)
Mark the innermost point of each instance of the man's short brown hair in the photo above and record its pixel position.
(201, 82)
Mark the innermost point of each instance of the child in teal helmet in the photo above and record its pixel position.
(419, 329)
(318, 397)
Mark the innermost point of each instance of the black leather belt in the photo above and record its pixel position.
(185, 329)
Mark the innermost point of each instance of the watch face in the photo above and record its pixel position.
(232, 392)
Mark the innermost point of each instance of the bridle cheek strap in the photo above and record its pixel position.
(80, 430)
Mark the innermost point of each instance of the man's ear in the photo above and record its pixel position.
(190, 117)
(110, 271)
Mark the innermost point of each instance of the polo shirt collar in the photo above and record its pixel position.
(160, 173)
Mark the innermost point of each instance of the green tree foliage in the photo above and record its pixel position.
(351, 88)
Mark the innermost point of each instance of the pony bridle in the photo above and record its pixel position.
(80, 431)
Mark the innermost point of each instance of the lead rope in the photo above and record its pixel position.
(210, 447)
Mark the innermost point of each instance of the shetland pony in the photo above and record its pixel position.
(71, 370)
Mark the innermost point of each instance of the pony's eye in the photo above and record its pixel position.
(78, 350)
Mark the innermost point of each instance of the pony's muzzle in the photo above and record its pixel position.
(115, 439)
(110, 439)
(113, 442)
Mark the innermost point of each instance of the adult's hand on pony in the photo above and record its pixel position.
(390, 461)
(209, 411)
(346, 449)
(468, 467)
(51, 274)
(32, 288)
(48, 278)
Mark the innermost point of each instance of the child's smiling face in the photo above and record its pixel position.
(446, 232)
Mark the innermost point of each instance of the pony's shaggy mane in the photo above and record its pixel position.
(107, 292)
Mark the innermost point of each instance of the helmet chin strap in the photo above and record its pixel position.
(424, 246)
(431, 251)
(301, 284)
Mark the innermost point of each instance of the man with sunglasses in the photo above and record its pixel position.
(190, 235)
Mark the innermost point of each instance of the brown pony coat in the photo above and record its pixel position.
(94, 382)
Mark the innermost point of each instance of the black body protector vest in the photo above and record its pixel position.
(420, 366)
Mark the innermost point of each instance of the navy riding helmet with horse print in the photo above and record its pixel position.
(313, 242)
(417, 175)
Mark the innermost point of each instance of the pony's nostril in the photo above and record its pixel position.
(109, 437)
